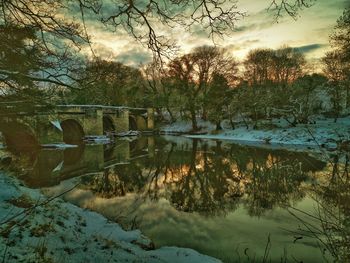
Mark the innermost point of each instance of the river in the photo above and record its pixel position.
(233, 202)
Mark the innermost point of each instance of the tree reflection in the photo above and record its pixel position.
(116, 181)
(330, 222)
(273, 181)
(208, 185)
(334, 209)
(211, 180)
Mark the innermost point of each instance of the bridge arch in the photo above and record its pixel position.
(73, 132)
(108, 125)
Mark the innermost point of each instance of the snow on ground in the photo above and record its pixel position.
(323, 134)
(186, 126)
(34, 230)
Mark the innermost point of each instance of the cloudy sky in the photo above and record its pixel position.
(309, 33)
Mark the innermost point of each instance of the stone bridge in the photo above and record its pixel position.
(71, 123)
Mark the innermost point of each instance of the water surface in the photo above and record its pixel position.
(233, 202)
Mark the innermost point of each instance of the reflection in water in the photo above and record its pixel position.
(332, 196)
(74, 155)
(49, 167)
(221, 199)
(19, 137)
(210, 180)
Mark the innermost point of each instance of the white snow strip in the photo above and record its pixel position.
(324, 134)
(57, 124)
(58, 145)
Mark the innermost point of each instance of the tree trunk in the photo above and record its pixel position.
(348, 95)
(255, 119)
(172, 118)
(194, 120)
(244, 120)
(232, 123)
(160, 114)
(204, 114)
(218, 126)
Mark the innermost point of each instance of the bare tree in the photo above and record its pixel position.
(340, 40)
(159, 92)
(57, 36)
(288, 65)
(258, 66)
(337, 63)
(334, 70)
(109, 83)
(194, 72)
(267, 66)
(269, 73)
(142, 19)
(60, 25)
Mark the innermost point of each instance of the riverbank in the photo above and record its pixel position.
(323, 135)
(34, 228)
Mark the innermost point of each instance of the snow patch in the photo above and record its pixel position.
(186, 126)
(324, 134)
(56, 230)
(57, 124)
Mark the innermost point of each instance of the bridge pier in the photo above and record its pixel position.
(120, 120)
(93, 122)
(150, 118)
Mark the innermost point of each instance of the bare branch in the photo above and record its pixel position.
(50, 79)
(291, 7)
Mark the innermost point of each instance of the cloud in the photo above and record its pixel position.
(255, 21)
(134, 58)
(258, 29)
(309, 48)
(103, 51)
(242, 45)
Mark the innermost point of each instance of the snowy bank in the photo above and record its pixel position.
(186, 126)
(36, 229)
(324, 134)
